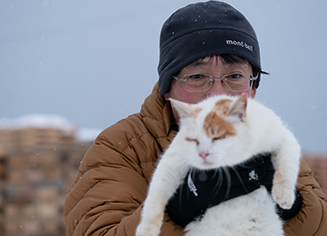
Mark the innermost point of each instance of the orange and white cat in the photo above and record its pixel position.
(218, 132)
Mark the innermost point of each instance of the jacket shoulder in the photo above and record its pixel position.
(127, 143)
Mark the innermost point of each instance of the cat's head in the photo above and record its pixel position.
(212, 131)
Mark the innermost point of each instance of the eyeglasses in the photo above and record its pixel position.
(236, 82)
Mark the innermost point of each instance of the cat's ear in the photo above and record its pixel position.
(238, 107)
(184, 109)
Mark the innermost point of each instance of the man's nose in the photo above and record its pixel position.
(217, 88)
(216, 70)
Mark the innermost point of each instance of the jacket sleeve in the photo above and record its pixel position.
(107, 195)
(312, 218)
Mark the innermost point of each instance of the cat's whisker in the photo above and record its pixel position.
(219, 182)
(240, 178)
(229, 181)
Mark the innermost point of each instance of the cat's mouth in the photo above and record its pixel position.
(207, 163)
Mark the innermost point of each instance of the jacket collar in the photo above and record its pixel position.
(157, 116)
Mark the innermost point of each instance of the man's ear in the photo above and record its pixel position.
(253, 92)
(167, 96)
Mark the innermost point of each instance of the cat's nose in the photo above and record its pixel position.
(203, 155)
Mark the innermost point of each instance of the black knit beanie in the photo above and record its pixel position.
(204, 29)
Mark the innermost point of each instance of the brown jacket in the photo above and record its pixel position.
(107, 195)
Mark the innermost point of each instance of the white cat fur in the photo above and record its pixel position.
(258, 130)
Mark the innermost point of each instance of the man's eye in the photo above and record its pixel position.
(196, 77)
(234, 76)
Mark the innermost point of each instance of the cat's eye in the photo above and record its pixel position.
(218, 138)
(192, 140)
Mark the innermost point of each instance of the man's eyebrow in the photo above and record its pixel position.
(198, 63)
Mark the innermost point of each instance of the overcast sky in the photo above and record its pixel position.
(94, 62)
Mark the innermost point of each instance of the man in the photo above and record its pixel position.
(203, 48)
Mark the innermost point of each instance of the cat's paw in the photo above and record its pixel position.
(147, 230)
(283, 196)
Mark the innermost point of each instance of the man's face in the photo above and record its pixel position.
(214, 66)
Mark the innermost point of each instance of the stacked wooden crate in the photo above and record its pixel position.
(3, 160)
(31, 138)
(8, 141)
(36, 132)
(37, 164)
(33, 192)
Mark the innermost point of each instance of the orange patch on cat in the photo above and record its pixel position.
(215, 126)
(222, 106)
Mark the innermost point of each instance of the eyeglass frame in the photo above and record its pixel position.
(212, 79)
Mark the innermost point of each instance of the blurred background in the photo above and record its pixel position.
(69, 69)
